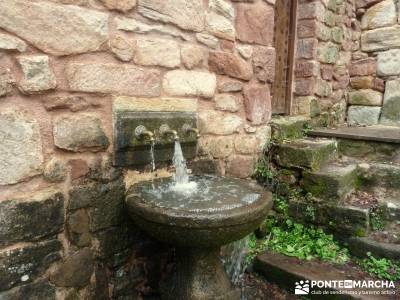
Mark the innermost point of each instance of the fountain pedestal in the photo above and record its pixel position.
(221, 210)
(198, 275)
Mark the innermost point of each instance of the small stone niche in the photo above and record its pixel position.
(129, 113)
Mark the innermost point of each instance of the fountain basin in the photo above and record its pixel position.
(198, 222)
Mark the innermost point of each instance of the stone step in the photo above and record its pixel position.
(291, 127)
(306, 153)
(384, 175)
(332, 183)
(360, 246)
(373, 143)
(286, 271)
(343, 220)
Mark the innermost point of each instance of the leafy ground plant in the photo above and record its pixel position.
(382, 268)
(294, 239)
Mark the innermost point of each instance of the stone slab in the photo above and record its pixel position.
(372, 133)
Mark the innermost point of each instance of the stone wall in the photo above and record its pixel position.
(375, 68)
(64, 66)
(325, 38)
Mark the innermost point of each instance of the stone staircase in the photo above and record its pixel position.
(351, 175)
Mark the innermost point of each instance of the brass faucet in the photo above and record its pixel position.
(165, 130)
(141, 133)
(187, 129)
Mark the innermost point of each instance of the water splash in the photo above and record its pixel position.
(181, 178)
(153, 161)
(181, 173)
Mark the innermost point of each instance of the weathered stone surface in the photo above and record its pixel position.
(332, 183)
(187, 14)
(225, 63)
(78, 228)
(363, 67)
(121, 48)
(257, 102)
(212, 122)
(157, 52)
(217, 147)
(389, 62)
(31, 218)
(380, 39)
(75, 271)
(53, 28)
(249, 144)
(121, 5)
(38, 290)
(207, 39)
(220, 19)
(105, 199)
(190, 83)
(23, 264)
(363, 115)
(72, 102)
(157, 104)
(193, 56)
(227, 85)
(21, 147)
(380, 15)
(6, 81)
(114, 78)
(240, 166)
(129, 24)
(306, 153)
(79, 133)
(227, 102)
(391, 103)
(264, 63)
(255, 23)
(328, 53)
(38, 75)
(365, 97)
(9, 42)
(55, 170)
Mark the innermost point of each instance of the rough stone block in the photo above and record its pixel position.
(186, 14)
(80, 133)
(380, 39)
(366, 97)
(306, 153)
(363, 115)
(389, 63)
(25, 263)
(190, 83)
(31, 218)
(21, 147)
(54, 28)
(332, 183)
(391, 103)
(114, 78)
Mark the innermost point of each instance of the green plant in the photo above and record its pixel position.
(382, 268)
(377, 218)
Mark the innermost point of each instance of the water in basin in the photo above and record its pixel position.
(211, 194)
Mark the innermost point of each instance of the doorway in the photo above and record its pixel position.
(285, 42)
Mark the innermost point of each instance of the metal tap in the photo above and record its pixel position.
(165, 130)
(141, 133)
(188, 129)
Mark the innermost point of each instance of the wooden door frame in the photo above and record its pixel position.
(285, 68)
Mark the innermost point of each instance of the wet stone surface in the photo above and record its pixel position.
(203, 194)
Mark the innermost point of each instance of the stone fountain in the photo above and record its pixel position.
(221, 210)
(196, 214)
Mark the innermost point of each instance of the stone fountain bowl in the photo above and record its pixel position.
(220, 210)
